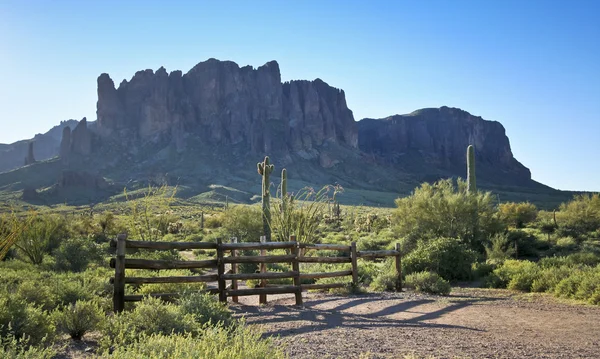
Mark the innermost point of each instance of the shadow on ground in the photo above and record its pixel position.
(284, 320)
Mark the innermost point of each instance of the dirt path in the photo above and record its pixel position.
(471, 323)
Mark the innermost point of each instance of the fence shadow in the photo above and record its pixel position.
(352, 312)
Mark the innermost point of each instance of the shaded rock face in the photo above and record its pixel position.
(220, 103)
(30, 159)
(77, 142)
(441, 137)
(81, 179)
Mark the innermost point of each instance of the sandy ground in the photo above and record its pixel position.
(470, 323)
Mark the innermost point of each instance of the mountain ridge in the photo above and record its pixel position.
(209, 125)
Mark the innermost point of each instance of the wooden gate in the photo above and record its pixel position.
(224, 268)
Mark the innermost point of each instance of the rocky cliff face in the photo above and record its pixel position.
(440, 137)
(220, 103)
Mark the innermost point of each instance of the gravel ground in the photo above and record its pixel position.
(470, 323)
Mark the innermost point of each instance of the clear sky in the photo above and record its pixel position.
(532, 65)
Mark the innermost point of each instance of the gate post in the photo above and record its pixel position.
(119, 283)
(296, 268)
(234, 267)
(221, 272)
(262, 298)
(354, 263)
(398, 268)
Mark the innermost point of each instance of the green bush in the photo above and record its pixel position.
(74, 255)
(243, 222)
(41, 236)
(445, 210)
(206, 309)
(518, 275)
(150, 316)
(214, 343)
(13, 348)
(517, 214)
(448, 257)
(24, 321)
(79, 318)
(548, 278)
(428, 282)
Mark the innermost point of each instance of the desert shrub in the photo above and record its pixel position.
(42, 235)
(24, 321)
(243, 222)
(517, 214)
(372, 242)
(150, 316)
(74, 255)
(206, 309)
(519, 275)
(566, 242)
(445, 210)
(301, 214)
(580, 215)
(79, 318)
(13, 348)
(213, 221)
(448, 257)
(214, 343)
(384, 281)
(428, 282)
(499, 249)
(548, 278)
(582, 258)
(36, 293)
(527, 245)
(150, 213)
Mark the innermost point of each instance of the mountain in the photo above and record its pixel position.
(437, 138)
(206, 129)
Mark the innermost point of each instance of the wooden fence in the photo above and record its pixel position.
(296, 254)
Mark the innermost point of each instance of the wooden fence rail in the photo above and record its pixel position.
(297, 255)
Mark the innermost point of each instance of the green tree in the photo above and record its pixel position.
(444, 209)
(517, 214)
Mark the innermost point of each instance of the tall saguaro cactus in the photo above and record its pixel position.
(471, 180)
(265, 169)
(283, 189)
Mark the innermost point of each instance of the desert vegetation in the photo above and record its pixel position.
(54, 269)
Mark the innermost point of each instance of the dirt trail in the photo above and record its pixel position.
(471, 323)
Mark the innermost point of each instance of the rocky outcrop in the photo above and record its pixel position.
(65, 144)
(81, 139)
(440, 137)
(30, 159)
(81, 179)
(76, 143)
(220, 103)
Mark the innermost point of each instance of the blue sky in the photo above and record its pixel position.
(532, 65)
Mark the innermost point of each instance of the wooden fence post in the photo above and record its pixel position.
(221, 272)
(262, 299)
(354, 263)
(234, 270)
(296, 268)
(398, 268)
(119, 283)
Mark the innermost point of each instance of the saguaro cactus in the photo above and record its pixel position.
(283, 190)
(265, 169)
(471, 181)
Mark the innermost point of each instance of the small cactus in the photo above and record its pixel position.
(471, 180)
(283, 189)
(265, 169)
